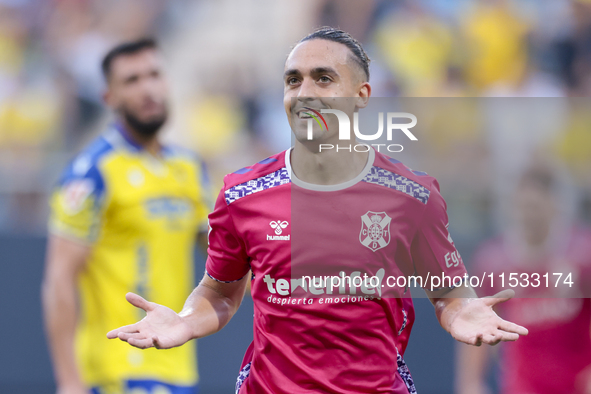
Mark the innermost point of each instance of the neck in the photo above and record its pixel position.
(328, 167)
(149, 143)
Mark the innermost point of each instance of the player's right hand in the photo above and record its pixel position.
(162, 327)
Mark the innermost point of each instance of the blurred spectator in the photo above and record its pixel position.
(575, 50)
(50, 88)
(555, 357)
(417, 48)
(220, 66)
(574, 144)
(496, 44)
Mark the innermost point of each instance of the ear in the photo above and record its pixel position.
(107, 98)
(363, 95)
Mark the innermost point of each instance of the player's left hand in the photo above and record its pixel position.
(162, 327)
(476, 322)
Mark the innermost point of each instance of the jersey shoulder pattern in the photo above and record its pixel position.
(265, 174)
(391, 173)
(80, 193)
(85, 164)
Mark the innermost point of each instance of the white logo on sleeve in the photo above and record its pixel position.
(75, 194)
(278, 226)
(451, 241)
(375, 230)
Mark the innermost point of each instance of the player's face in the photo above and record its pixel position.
(320, 74)
(138, 91)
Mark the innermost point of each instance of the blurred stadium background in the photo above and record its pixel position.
(225, 61)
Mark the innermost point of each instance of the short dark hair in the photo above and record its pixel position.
(342, 37)
(126, 48)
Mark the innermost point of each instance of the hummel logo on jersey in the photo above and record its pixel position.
(375, 230)
(278, 226)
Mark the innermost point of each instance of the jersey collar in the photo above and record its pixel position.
(119, 136)
(126, 139)
(329, 188)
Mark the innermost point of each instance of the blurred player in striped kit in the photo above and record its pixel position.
(126, 215)
(555, 358)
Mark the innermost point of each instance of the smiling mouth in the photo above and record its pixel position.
(304, 114)
(307, 113)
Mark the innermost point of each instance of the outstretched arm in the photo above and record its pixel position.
(207, 310)
(65, 258)
(472, 320)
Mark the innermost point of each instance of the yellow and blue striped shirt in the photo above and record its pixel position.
(141, 214)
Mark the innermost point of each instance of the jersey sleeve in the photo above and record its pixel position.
(227, 260)
(433, 250)
(77, 203)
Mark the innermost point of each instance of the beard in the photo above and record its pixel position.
(145, 128)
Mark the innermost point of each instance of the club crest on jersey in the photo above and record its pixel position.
(375, 230)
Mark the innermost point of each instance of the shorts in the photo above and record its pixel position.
(143, 387)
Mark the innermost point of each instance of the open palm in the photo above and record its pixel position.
(162, 327)
(477, 323)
